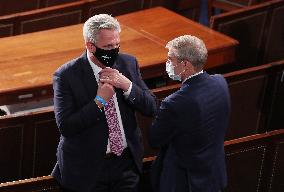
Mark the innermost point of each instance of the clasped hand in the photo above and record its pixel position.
(115, 78)
(110, 79)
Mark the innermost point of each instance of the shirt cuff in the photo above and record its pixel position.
(127, 93)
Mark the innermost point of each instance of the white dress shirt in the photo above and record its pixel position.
(96, 70)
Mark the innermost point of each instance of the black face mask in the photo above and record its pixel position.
(106, 57)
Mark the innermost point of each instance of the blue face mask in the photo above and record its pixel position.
(171, 72)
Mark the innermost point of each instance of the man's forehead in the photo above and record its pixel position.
(108, 37)
(108, 33)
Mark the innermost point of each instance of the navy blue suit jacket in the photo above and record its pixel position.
(189, 128)
(83, 127)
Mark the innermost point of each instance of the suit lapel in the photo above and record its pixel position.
(88, 77)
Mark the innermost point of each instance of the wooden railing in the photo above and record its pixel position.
(254, 163)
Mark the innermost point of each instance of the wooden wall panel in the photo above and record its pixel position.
(274, 49)
(46, 141)
(250, 37)
(275, 111)
(247, 100)
(42, 19)
(48, 3)
(257, 100)
(258, 45)
(111, 6)
(6, 30)
(153, 3)
(255, 163)
(187, 8)
(11, 151)
(8, 25)
(229, 5)
(47, 18)
(276, 183)
(245, 168)
(50, 21)
(144, 123)
(28, 144)
(16, 6)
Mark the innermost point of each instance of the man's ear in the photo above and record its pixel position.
(90, 47)
(186, 63)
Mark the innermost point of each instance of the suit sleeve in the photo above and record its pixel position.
(70, 120)
(141, 98)
(164, 126)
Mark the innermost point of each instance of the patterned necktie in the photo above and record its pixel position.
(115, 135)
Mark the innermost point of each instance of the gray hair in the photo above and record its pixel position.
(94, 24)
(189, 48)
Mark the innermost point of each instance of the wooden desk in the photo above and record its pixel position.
(161, 25)
(28, 61)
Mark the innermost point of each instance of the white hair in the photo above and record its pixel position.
(94, 24)
(191, 48)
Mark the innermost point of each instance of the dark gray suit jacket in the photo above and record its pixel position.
(83, 127)
(190, 128)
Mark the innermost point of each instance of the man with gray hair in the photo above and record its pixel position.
(95, 99)
(190, 125)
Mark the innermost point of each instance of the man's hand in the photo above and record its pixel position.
(116, 79)
(105, 91)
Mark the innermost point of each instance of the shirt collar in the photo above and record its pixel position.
(195, 74)
(95, 68)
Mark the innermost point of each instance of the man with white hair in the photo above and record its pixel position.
(190, 125)
(95, 99)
